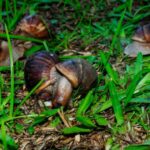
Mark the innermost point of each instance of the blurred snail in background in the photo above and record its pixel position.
(18, 52)
(4, 53)
(32, 25)
(60, 78)
(141, 42)
(29, 26)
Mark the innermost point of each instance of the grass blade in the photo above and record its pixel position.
(138, 147)
(8, 142)
(3, 134)
(32, 50)
(113, 74)
(12, 90)
(1, 87)
(131, 88)
(101, 121)
(130, 5)
(117, 31)
(115, 103)
(75, 130)
(138, 64)
(15, 7)
(142, 83)
(43, 116)
(107, 104)
(1, 6)
(2, 35)
(85, 103)
(85, 121)
(4, 68)
(140, 100)
(7, 12)
(17, 15)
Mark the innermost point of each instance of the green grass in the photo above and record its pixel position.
(121, 98)
(12, 91)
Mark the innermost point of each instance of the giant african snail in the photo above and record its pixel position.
(17, 51)
(32, 26)
(141, 42)
(60, 77)
(29, 26)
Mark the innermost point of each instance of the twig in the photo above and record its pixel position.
(62, 116)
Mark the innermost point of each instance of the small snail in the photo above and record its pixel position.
(141, 42)
(18, 51)
(60, 77)
(32, 25)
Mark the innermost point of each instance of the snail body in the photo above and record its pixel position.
(60, 77)
(141, 42)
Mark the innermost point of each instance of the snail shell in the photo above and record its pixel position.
(142, 34)
(141, 42)
(32, 25)
(4, 54)
(78, 72)
(18, 52)
(38, 67)
(60, 77)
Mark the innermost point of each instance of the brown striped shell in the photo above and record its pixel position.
(38, 67)
(79, 72)
(142, 34)
(32, 25)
